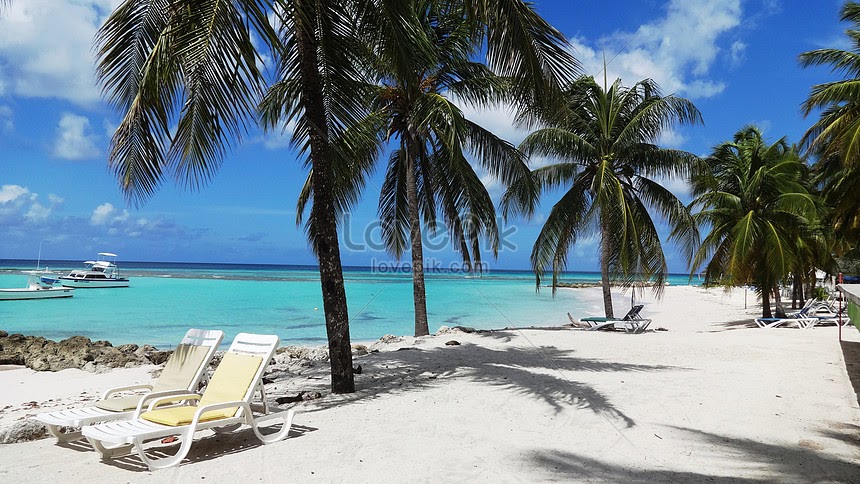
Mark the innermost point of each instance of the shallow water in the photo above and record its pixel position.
(164, 300)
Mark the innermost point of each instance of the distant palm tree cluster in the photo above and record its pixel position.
(355, 77)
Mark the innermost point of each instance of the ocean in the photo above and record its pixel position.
(165, 299)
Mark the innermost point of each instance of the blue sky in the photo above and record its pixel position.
(735, 59)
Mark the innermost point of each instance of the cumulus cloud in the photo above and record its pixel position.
(677, 50)
(75, 140)
(37, 212)
(19, 205)
(106, 214)
(59, 65)
(12, 193)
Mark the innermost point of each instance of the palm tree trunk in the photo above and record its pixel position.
(604, 272)
(328, 250)
(777, 299)
(765, 303)
(419, 295)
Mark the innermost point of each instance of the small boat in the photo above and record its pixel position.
(35, 289)
(98, 273)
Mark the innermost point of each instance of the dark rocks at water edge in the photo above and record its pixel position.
(42, 354)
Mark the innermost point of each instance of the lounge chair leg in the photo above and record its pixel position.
(286, 417)
(108, 453)
(154, 464)
(61, 436)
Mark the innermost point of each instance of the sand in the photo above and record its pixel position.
(712, 398)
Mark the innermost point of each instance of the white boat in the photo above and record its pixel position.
(35, 289)
(96, 273)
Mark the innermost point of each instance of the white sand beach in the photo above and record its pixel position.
(712, 398)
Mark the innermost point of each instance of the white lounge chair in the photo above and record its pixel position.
(802, 321)
(183, 372)
(225, 403)
(631, 322)
(591, 324)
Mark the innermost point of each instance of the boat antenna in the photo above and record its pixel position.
(39, 257)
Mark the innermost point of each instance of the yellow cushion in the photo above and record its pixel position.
(230, 382)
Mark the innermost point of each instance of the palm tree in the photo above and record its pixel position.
(429, 169)
(752, 198)
(421, 79)
(605, 139)
(836, 134)
(835, 138)
(184, 76)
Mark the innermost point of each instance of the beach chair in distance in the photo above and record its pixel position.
(591, 324)
(183, 372)
(802, 321)
(632, 322)
(227, 402)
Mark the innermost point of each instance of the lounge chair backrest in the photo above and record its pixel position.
(189, 361)
(633, 313)
(184, 369)
(237, 377)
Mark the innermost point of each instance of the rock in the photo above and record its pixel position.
(128, 348)
(157, 357)
(390, 338)
(465, 329)
(359, 350)
(79, 352)
(23, 431)
(312, 395)
(443, 330)
(313, 353)
(452, 343)
(357, 370)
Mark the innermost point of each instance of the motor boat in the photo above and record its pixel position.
(35, 289)
(98, 273)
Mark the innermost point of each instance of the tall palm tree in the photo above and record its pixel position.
(429, 169)
(184, 75)
(606, 141)
(752, 198)
(835, 137)
(422, 78)
(836, 134)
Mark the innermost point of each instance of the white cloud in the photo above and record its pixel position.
(19, 204)
(37, 212)
(12, 193)
(669, 138)
(45, 48)
(677, 50)
(498, 120)
(107, 214)
(75, 140)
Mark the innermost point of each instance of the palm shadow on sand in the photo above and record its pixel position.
(543, 373)
(736, 456)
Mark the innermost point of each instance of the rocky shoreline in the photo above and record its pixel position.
(41, 354)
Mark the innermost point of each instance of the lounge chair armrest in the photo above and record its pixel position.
(111, 391)
(218, 406)
(153, 400)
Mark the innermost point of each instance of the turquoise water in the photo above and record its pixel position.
(164, 300)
